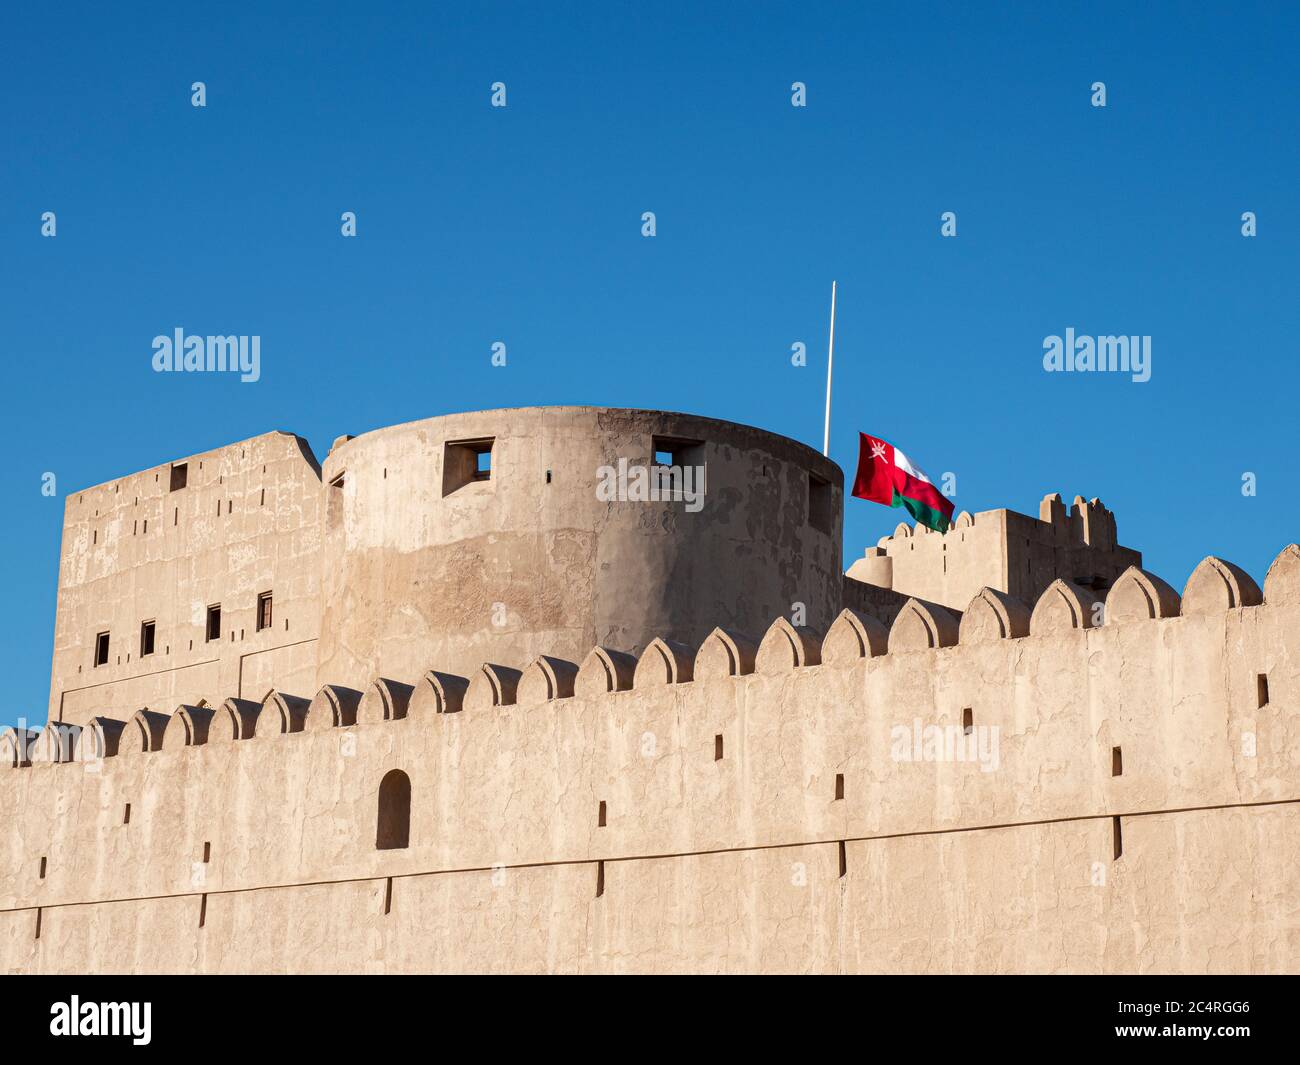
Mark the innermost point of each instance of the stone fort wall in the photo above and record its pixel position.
(398, 554)
(744, 805)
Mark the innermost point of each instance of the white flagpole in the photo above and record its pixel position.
(830, 363)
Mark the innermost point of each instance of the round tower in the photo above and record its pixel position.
(496, 536)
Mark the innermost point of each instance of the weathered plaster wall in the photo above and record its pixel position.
(246, 522)
(532, 561)
(946, 867)
(999, 549)
(1207, 891)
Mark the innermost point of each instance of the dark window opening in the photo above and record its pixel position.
(101, 649)
(1261, 690)
(388, 897)
(668, 453)
(674, 451)
(214, 622)
(600, 879)
(42, 868)
(844, 859)
(820, 511)
(1118, 836)
(839, 785)
(717, 747)
(207, 852)
(263, 611)
(466, 461)
(203, 909)
(126, 815)
(1116, 762)
(146, 638)
(180, 476)
(967, 721)
(393, 830)
(600, 815)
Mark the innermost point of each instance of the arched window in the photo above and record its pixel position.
(394, 826)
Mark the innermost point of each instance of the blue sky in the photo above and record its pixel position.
(523, 225)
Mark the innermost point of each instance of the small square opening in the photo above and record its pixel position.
(101, 649)
(146, 638)
(214, 622)
(180, 475)
(465, 462)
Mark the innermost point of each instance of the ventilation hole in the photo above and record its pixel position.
(717, 747)
(967, 721)
(43, 863)
(600, 879)
(1116, 762)
(839, 785)
(548, 476)
(203, 909)
(600, 815)
(1118, 834)
(39, 914)
(844, 859)
(207, 853)
(388, 897)
(1261, 690)
(126, 815)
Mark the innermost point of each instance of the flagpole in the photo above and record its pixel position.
(830, 363)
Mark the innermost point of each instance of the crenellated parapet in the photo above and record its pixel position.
(1002, 550)
(920, 627)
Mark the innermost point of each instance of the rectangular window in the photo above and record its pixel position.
(214, 622)
(180, 475)
(670, 457)
(1261, 690)
(101, 649)
(146, 638)
(820, 510)
(967, 721)
(466, 461)
(717, 747)
(263, 611)
(1116, 762)
(839, 785)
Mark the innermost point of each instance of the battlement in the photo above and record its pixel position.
(758, 751)
(999, 549)
(1215, 586)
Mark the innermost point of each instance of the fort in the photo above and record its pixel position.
(434, 705)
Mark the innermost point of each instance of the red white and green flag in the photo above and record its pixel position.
(886, 475)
